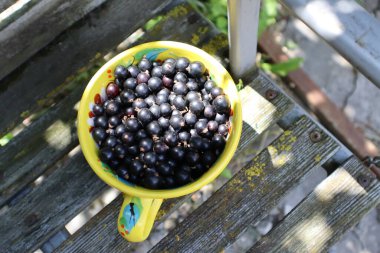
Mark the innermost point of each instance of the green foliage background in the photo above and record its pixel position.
(216, 12)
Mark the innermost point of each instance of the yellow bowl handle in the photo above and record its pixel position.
(136, 217)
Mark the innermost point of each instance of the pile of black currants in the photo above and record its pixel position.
(163, 124)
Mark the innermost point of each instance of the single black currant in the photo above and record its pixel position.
(133, 71)
(99, 134)
(142, 90)
(182, 63)
(155, 84)
(145, 64)
(179, 103)
(106, 154)
(114, 121)
(150, 158)
(180, 77)
(160, 147)
(112, 90)
(136, 167)
(156, 111)
(130, 83)
(216, 91)
(132, 124)
(120, 151)
(127, 96)
(139, 103)
(157, 71)
(168, 68)
(145, 116)
(177, 153)
(164, 123)
(128, 138)
(113, 108)
(180, 88)
(142, 77)
(153, 128)
(98, 110)
(177, 122)
(101, 121)
(196, 107)
(171, 138)
(121, 72)
(209, 85)
(196, 69)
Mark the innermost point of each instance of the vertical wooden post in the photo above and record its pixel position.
(243, 22)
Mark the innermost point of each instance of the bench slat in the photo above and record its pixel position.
(95, 235)
(43, 22)
(96, 33)
(4, 4)
(38, 146)
(355, 34)
(251, 193)
(48, 207)
(335, 205)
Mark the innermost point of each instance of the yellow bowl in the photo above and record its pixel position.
(95, 90)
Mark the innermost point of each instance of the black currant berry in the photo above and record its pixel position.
(182, 63)
(196, 69)
(121, 72)
(145, 64)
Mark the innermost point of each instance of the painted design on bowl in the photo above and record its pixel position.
(130, 216)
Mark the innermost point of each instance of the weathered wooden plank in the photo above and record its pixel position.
(45, 210)
(4, 4)
(96, 33)
(254, 98)
(16, 9)
(37, 23)
(94, 236)
(251, 193)
(335, 205)
(38, 146)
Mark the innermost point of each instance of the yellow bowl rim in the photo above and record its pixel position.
(165, 193)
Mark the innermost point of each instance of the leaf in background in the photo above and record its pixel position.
(268, 15)
(283, 68)
(151, 23)
(239, 85)
(291, 44)
(5, 139)
(226, 173)
(222, 24)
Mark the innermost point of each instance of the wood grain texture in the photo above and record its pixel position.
(49, 206)
(4, 4)
(96, 33)
(251, 193)
(16, 9)
(41, 24)
(253, 98)
(39, 146)
(335, 205)
(96, 235)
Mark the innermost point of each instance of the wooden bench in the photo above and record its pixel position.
(45, 181)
